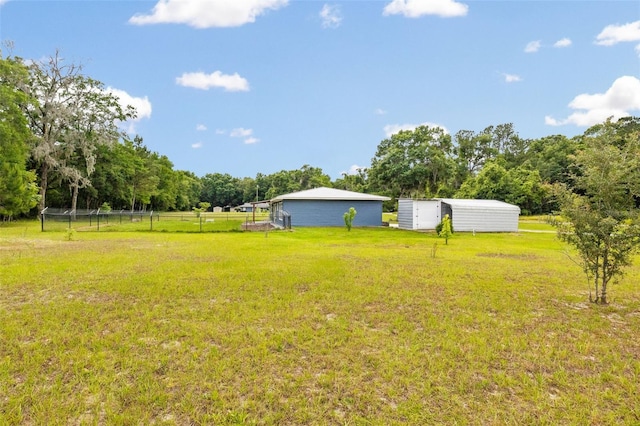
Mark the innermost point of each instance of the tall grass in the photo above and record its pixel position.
(312, 326)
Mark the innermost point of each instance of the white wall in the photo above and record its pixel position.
(418, 214)
(406, 214)
(427, 214)
(484, 220)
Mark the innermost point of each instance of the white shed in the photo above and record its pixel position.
(466, 215)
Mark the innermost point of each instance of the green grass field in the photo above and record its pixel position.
(186, 222)
(310, 326)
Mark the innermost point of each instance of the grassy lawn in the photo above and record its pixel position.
(310, 326)
(186, 222)
(390, 217)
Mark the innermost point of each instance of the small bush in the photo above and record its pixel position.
(439, 227)
(70, 234)
(445, 229)
(348, 218)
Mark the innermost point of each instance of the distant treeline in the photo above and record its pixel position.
(61, 146)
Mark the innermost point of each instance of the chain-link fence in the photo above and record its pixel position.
(124, 220)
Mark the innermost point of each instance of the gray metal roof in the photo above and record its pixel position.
(324, 193)
(484, 204)
(259, 204)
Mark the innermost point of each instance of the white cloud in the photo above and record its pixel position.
(196, 145)
(207, 13)
(220, 131)
(418, 8)
(200, 80)
(618, 101)
(392, 129)
(379, 111)
(613, 34)
(241, 132)
(141, 105)
(201, 127)
(511, 78)
(565, 42)
(3, 2)
(331, 16)
(532, 46)
(353, 170)
(246, 134)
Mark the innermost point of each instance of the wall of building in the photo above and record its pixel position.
(484, 220)
(406, 214)
(331, 212)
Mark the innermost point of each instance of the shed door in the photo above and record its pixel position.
(427, 214)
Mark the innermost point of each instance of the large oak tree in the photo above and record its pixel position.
(74, 115)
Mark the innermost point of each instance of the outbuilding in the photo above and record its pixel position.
(244, 208)
(466, 215)
(326, 207)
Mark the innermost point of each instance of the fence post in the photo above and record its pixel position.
(42, 219)
(151, 219)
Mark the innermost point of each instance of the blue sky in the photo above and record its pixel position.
(257, 86)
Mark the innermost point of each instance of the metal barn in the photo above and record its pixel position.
(466, 215)
(326, 207)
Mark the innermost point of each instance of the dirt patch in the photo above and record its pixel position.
(26, 243)
(257, 226)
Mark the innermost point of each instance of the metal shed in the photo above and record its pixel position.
(326, 207)
(466, 215)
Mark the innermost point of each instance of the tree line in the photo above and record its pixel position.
(63, 146)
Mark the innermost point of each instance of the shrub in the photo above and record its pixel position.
(348, 218)
(439, 227)
(445, 229)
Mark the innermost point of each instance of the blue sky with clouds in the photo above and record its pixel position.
(257, 86)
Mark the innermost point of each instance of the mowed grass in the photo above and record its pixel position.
(310, 326)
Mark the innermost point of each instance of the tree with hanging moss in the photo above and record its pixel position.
(73, 115)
